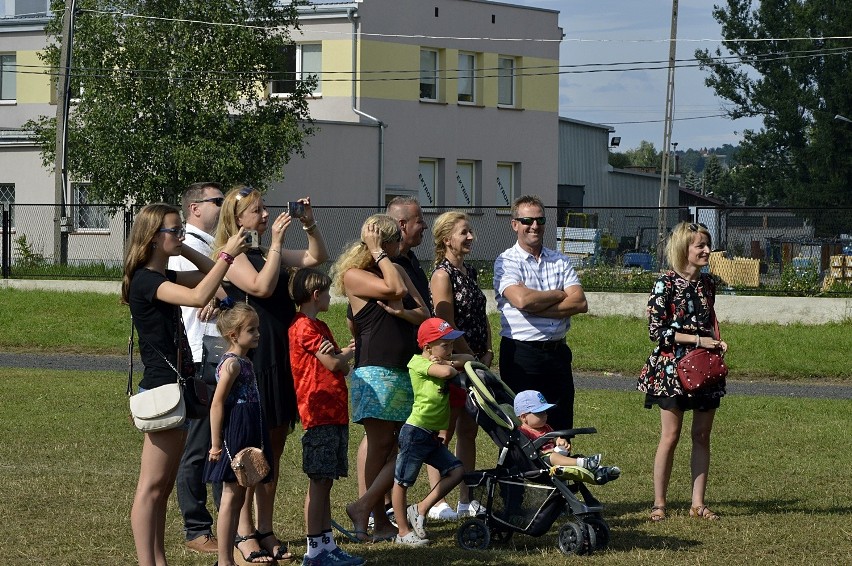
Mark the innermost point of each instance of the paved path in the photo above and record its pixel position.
(582, 380)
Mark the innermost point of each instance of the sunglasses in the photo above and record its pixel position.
(178, 232)
(528, 220)
(244, 192)
(215, 200)
(693, 227)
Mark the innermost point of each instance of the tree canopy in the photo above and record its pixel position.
(170, 93)
(802, 156)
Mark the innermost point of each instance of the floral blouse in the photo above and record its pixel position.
(468, 306)
(676, 305)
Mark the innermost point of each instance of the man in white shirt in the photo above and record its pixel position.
(537, 292)
(201, 204)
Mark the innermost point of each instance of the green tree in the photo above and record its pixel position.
(801, 156)
(618, 160)
(646, 155)
(168, 99)
(691, 181)
(712, 176)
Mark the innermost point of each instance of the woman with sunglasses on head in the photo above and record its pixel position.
(386, 312)
(155, 295)
(260, 278)
(681, 318)
(457, 298)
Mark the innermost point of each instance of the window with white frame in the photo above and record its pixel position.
(88, 214)
(7, 201)
(428, 74)
(505, 184)
(465, 183)
(298, 63)
(505, 81)
(428, 181)
(466, 77)
(7, 77)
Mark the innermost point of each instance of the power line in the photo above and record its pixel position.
(444, 37)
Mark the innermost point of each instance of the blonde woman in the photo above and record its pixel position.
(386, 312)
(457, 298)
(680, 318)
(260, 278)
(155, 295)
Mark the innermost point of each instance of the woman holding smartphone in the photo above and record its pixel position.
(260, 278)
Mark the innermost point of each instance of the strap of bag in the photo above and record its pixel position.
(130, 360)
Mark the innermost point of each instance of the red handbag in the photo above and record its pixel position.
(701, 368)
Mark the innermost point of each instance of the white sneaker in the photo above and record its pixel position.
(411, 539)
(442, 512)
(416, 521)
(471, 509)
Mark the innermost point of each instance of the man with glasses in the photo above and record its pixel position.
(537, 292)
(201, 204)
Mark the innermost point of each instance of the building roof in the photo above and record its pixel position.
(589, 124)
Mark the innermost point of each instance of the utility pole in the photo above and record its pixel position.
(662, 228)
(63, 91)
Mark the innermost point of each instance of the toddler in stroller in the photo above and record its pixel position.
(527, 491)
(531, 408)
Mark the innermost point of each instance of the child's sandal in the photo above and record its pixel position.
(658, 513)
(702, 512)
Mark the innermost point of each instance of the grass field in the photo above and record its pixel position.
(69, 457)
(69, 460)
(92, 323)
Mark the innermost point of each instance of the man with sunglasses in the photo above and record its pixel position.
(537, 292)
(201, 203)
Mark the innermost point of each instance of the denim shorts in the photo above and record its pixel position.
(416, 447)
(325, 452)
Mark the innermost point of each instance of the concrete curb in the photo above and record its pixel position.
(730, 308)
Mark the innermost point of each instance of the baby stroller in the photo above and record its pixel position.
(524, 494)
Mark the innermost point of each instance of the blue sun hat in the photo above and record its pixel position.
(531, 401)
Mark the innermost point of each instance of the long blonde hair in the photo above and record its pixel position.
(138, 248)
(677, 248)
(237, 201)
(443, 229)
(357, 255)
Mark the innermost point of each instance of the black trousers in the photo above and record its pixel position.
(190, 486)
(528, 365)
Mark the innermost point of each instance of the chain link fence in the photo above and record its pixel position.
(759, 250)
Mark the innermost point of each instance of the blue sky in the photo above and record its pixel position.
(611, 98)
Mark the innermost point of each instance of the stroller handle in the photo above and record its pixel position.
(569, 433)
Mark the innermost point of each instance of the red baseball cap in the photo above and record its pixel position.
(436, 329)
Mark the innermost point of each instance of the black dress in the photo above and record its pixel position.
(271, 358)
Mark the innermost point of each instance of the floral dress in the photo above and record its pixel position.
(468, 306)
(677, 305)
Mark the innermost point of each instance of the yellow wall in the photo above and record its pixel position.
(32, 87)
(535, 92)
(382, 56)
(336, 56)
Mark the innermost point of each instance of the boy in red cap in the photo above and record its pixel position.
(418, 439)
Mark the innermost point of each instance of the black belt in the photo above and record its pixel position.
(546, 345)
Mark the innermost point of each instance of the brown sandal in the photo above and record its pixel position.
(702, 512)
(658, 513)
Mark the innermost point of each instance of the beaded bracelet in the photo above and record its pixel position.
(229, 259)
(309, 228)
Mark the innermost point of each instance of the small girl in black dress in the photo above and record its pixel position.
(235, 423)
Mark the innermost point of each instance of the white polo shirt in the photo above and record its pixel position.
(550, 271)
(201, 242)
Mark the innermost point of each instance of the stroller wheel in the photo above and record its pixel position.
(473, 534)
(572, 538)
(601, 531)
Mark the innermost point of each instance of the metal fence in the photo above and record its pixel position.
(90, 243)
